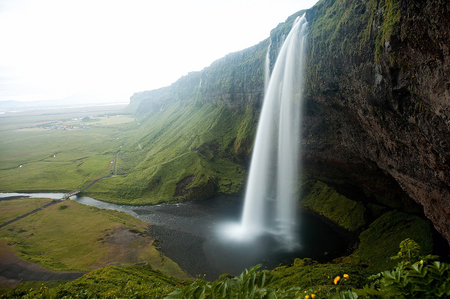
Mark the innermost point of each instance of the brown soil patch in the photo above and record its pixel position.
(125, 247)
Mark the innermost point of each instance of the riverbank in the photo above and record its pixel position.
(71, 236)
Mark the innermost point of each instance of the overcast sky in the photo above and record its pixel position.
(52, 49)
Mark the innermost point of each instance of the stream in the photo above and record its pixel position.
(193, 235)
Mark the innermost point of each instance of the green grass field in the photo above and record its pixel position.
(12, 209)
(59, 156)
(72, 236)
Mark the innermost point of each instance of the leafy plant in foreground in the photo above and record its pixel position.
(251, 284)
(422, 279)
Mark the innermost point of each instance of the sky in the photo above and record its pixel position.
(106, 50)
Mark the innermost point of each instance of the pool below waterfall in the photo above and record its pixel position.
(192, 234)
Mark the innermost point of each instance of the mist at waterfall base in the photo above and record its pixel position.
(269, 217)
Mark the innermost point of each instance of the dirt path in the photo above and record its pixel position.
(14, 270)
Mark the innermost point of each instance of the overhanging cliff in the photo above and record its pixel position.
(377, 100)
(380, 87)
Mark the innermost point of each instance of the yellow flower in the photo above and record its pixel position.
(307, 297)
(336, 279)
(346, 276)
(313, 296)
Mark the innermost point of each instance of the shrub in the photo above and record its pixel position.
(62, 207)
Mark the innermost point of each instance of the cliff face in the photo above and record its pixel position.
(236, 80)
(377, 111)
(380, 87)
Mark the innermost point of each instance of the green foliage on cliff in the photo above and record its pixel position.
(388, 24)
(338, 29)
(327, 202)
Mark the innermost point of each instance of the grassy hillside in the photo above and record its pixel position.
(181, 153)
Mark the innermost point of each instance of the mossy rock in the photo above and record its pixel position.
(380, 241)
(327, 202)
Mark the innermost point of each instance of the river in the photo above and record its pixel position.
(192, 234)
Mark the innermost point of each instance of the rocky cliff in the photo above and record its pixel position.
(380, 87)
(236, 80)
(377, 100)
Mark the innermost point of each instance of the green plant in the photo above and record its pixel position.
(409, 251)
(251, 284)
(422, 279)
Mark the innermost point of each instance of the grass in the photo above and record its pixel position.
(181, 142)
(113, 282)
(11, 209)
(58, 160)
(208, 143)
(318, 279)
(142, 282)
(83, 238)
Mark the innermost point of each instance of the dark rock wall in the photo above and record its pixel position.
(380, 88)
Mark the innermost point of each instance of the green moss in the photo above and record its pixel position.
(380, 241)
(329, 203)
(389, 24)
(340, 27)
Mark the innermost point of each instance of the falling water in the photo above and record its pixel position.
(267, 69)
(270, 199)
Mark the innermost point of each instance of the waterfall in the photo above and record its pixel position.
(271, 196)
(267, 69)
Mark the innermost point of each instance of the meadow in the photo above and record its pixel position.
(61, 151)
(72, 236)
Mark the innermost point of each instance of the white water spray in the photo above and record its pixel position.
(270, 199)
